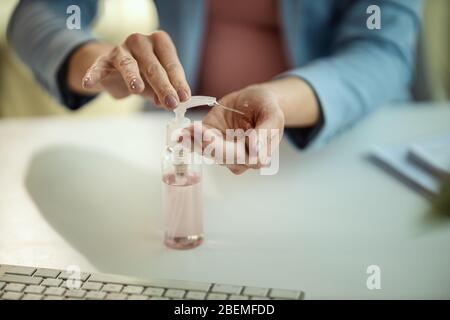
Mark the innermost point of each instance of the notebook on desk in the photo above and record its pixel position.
(433, 155)
(420, 164)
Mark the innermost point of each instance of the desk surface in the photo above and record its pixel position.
(87, 192)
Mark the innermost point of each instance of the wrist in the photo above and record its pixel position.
(297, 100)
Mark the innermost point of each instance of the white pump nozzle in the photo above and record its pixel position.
(180, 120)
(193, 102)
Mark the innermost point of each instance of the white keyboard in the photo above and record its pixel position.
(29, 283)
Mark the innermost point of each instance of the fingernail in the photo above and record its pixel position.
(183, 95)
(133, 85)
(171, 102)
(86, 82)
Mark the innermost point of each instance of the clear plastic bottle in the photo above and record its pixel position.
(182, 198)
(181, 192)
(182, 182)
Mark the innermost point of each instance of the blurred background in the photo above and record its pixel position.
(119, 18)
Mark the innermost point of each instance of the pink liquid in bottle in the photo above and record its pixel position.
(182, 201)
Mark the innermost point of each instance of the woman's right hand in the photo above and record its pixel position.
(147, 65)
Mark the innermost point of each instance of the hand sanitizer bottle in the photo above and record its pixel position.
(182, 184)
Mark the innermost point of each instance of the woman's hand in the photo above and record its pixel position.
(147, 65)
(261, 112)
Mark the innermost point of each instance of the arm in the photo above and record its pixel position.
(74, 68)
(367, 68)
(37, 32)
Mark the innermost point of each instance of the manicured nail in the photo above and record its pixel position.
(171, 102)
(133, 85)
(86, 82)
(183, 95)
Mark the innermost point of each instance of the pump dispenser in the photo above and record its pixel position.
(182, 183)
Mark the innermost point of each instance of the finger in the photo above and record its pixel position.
(237, 169)
(96, 73)
(206, 141)
(201, 137)
(154, 74)
(166, 53)
(150, 94)
(252, 143)
(124, 62)
(269, 129)
(212, 145)
(157, 78)
(267, 143)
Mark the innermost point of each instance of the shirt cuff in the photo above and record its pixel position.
(324, 81)
(304, 136)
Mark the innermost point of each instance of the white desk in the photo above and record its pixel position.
(87, 192)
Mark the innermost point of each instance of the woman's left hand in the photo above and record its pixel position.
(259, 110)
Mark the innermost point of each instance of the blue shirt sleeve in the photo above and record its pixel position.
(38, 33)
(366, 68)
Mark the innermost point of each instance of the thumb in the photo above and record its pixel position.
(205, 140)
(269, 132)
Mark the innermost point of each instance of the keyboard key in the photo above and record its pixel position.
(12, 295)
(51, 282)
(34, 289)
(71, 284)
(237, 297)
(156, 292)
(109, 278)
(116, 296)
(46, 273)
(170, 284)
(196, 295)
(20, 279)
(16, 287)
(53, 298)
(112, 287)
(54, 291)
(32, 296)
(75, 293)
(66, 275)
(216, 296)
(96, 286)
(174, 293)
(159, 298)
(95, 295)
(24, 271)
(224, 288)
(254, 291)
(284, 294)
(133, 289)
(2, 284)
(259, 298)
(137, 297)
